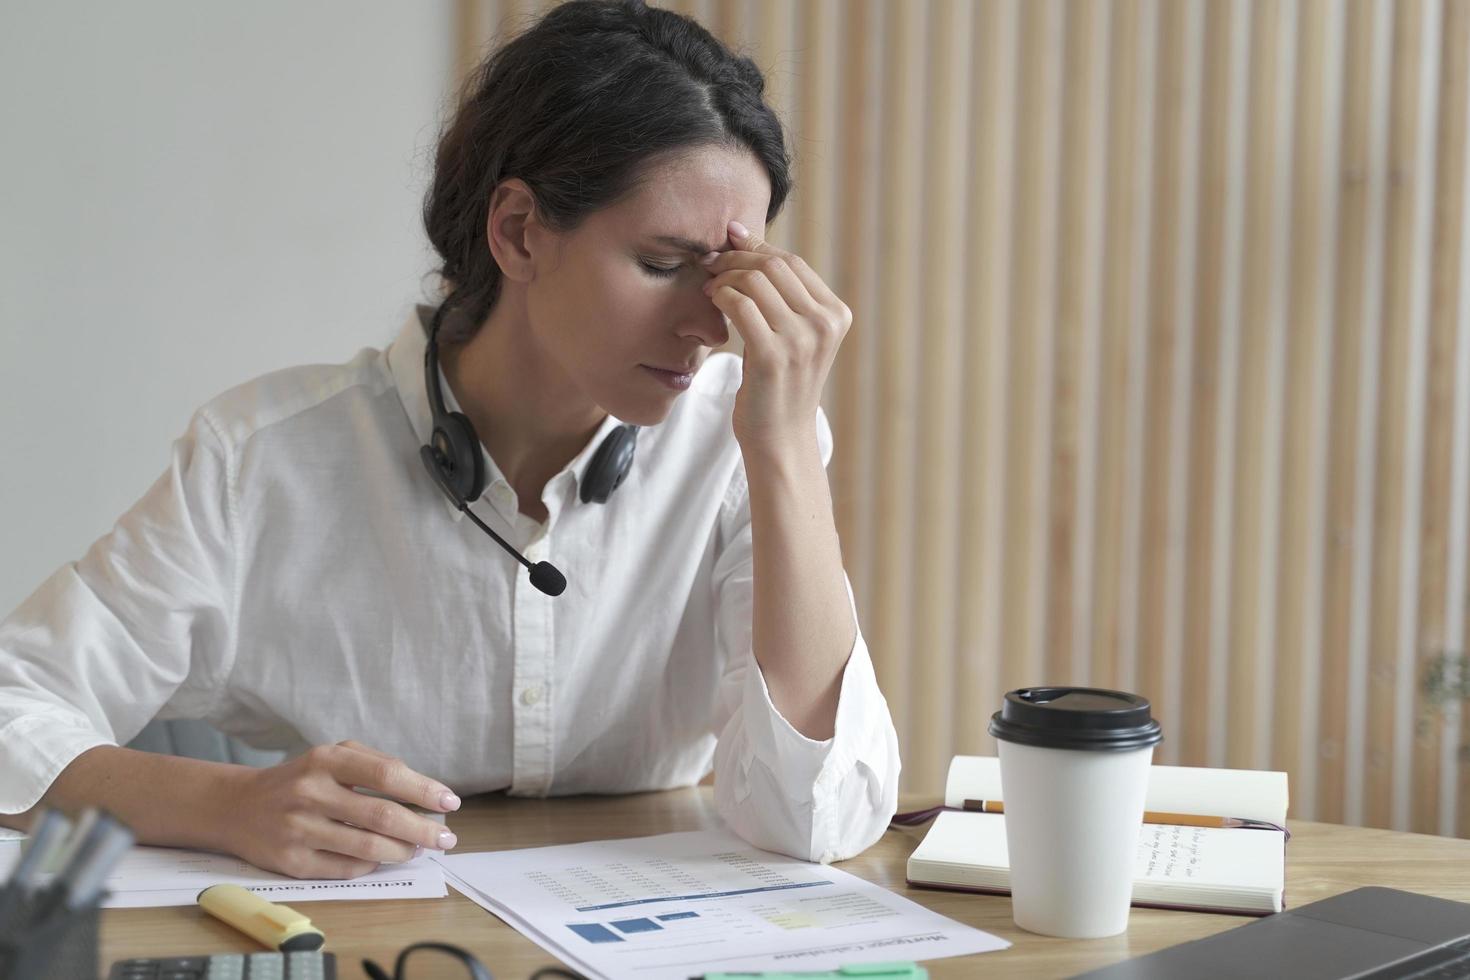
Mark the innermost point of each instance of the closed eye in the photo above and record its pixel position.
(661, 271)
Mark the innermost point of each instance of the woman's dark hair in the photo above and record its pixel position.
(580, 106)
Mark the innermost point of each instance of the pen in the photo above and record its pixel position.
(48, 831)
(89, 872)
(867, 971)
(81, 833)
(1150, 816)
(94, 848)
(47, 834)
(275, 926)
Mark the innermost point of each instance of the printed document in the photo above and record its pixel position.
(677, 905)
(153, 876)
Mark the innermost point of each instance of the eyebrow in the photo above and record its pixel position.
(685, 244)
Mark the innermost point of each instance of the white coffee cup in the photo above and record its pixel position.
(1074, 765)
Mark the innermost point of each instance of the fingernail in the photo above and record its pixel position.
(418, 852)
(709, 257)
(447, 840)
(448, 801)
(709, 288)
(738, 230)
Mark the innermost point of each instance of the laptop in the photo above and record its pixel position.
(1366, 934)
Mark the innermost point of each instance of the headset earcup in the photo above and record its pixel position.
(610, 465)
(455, 438)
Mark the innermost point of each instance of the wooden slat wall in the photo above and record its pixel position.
(1160, 377)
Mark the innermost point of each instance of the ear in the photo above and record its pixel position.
(514, 230)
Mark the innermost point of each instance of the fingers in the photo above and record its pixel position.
(301, 856)
(738, 268)
(335, 867)
(748, 243)
(359, 844)
(388, 819)
(746, 315)
(788, 294)
(326, 866)
(311, 823)
(354, 764)
(353, 743)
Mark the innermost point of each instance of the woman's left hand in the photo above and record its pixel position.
(792, 325)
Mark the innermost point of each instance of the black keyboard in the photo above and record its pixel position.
(314, 965)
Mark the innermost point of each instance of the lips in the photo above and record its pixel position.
(678, 380)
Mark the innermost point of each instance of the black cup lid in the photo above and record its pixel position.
(1076, 718)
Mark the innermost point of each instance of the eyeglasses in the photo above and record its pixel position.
(442, 961)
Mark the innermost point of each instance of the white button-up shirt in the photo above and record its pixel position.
(296, 578)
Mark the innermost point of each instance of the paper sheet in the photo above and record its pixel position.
(154, 876)
(675, 905)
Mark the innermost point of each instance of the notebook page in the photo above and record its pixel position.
(1218, 792)
(1184, 865)
(1211, 856)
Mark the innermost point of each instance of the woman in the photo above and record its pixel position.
(299, 578)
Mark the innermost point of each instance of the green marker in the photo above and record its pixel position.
(866, 971)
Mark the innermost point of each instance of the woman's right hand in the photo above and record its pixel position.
(303, 818)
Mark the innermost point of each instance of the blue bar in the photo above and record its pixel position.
(689, 898)
(594, 933)
(636, 925)
(678, 915)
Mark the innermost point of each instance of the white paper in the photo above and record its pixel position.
(156, 876)
(677, 905)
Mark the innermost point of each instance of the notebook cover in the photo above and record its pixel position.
(1208, 909)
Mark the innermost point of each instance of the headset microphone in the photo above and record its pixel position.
(454, 460)
(544, 575)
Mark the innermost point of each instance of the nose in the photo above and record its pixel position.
(706, 324)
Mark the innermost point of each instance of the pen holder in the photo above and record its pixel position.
(62, 946)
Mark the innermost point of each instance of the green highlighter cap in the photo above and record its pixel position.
(873, 971)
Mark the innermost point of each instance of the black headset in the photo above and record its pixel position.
(456, 464)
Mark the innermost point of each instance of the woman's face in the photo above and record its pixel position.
(615, 301)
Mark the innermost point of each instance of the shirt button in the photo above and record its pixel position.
(530, 696)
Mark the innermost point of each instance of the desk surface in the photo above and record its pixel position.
(1322, 860)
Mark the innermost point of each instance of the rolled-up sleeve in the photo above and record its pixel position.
(142, 619)
(820, 801)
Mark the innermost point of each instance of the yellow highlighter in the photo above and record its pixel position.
(277, 926)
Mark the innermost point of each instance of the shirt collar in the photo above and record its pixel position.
(406, 361)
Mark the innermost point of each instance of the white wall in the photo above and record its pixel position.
(190, 195)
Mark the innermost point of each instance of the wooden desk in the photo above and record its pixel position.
(1322, 860)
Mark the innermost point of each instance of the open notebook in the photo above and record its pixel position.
(1207, 869)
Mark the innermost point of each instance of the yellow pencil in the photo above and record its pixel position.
(1149, 816)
